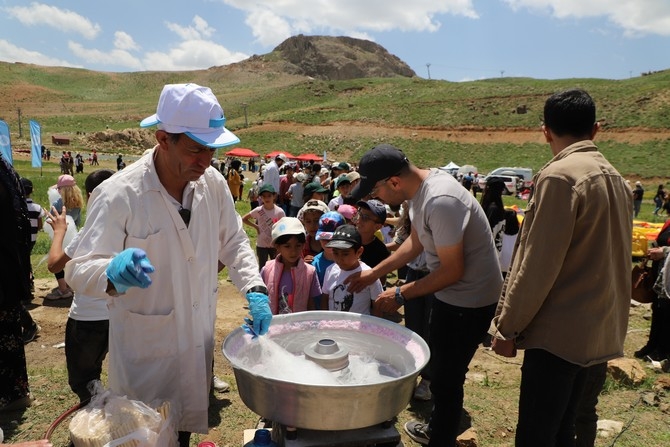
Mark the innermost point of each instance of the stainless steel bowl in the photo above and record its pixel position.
(297, 403)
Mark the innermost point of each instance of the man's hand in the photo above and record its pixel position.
(505, 348)
(360, 280)
(386, 303)
(130, 268)
(259, 308)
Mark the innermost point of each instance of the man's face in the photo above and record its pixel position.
(185, 159)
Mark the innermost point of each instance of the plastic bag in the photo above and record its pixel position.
(116, 421)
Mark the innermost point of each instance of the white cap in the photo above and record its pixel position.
(287, 225)
(194, 111)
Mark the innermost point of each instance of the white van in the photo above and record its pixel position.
(525, 174)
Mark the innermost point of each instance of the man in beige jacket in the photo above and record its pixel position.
(567, 296)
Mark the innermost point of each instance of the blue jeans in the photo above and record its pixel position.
(455, 333)
(551, 389)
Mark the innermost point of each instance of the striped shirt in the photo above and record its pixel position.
(35, 212)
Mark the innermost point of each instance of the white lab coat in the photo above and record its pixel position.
(162, 338)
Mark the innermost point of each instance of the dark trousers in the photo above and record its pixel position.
(86, 345)
(659, 333)
(586, 424)
(184, 438)
(417, 314)
(27, 321)
(455, 333)
(265, 253)
(551, 389)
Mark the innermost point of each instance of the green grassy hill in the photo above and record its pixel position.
(79, 102)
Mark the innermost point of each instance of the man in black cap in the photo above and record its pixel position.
(450, 226)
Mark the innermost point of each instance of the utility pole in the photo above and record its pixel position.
(20, 130)
(428, 68)
(246, 120)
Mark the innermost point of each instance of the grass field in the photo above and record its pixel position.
(79, 102)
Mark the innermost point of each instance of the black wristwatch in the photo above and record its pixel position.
(258, 289)
(398, 296)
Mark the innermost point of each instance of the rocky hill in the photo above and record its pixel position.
(335, 58)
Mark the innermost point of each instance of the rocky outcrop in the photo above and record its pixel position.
(339, 58)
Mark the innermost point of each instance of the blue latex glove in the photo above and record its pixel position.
(259, 308)
(130, 268)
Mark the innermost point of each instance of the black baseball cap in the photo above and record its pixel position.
(345, 236)
(379, 163)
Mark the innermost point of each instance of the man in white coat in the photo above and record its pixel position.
(172, 209)
(271, 175)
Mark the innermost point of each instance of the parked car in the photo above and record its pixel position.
(511, 183)
(525, 174)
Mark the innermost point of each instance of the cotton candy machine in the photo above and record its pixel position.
(327, 370)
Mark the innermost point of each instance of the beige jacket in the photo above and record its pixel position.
(568, 291)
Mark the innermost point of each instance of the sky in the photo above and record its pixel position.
(455, 40)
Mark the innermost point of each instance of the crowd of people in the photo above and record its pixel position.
(368, 238)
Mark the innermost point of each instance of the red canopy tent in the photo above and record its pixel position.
(309, 157)
(273, 154)
(241, 152)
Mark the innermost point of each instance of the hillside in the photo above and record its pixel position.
(295, 99)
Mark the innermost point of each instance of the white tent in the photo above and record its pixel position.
(450, 167)
(467, 168)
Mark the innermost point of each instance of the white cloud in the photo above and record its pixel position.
(116, 57)
(198, 30)
(124, 41)
(192, 55)
(635, 17)
(11, 53)
(272, 21)
(60, 19)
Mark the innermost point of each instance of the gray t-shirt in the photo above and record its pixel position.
(443, 213)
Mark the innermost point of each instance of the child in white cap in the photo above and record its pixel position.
(292, 284)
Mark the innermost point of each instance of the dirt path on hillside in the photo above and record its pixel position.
(461, 135)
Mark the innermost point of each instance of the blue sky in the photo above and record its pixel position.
(459, 39)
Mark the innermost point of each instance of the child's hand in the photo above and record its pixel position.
(57, 221)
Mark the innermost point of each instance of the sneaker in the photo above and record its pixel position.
(220, 385)
(422, 391)
(30, 334)
(59, 295)
(418, 431)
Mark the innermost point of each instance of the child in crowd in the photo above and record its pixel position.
(328, 223)
(348, 211)
(347, 249)
(87, 327)
(252, 195)
(72, 200)
(35, 214)
(264, 217)
(309, 215)
(369, 221)
(292, 284)
(295, 194)
(343, 187)
(315, 191)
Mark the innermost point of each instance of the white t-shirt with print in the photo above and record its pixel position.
(339, 298)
